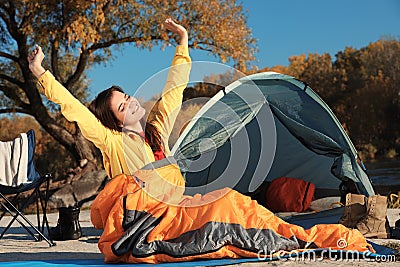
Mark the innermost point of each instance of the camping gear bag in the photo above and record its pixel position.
(289, 194)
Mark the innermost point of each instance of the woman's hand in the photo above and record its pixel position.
(35, 59)
(169, 24)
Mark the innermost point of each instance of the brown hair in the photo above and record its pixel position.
(100, 107)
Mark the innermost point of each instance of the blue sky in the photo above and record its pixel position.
(282, 28)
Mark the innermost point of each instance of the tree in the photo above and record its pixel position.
(362, 88)
(377, 103)
(314, 69)
(75, 35)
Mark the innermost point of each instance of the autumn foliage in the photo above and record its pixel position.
(362, 88)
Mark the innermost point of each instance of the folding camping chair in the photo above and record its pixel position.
(11, 187)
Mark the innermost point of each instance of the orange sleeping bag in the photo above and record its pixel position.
(146, 218)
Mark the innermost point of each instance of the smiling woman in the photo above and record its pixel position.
(127, 110)
(117, 110)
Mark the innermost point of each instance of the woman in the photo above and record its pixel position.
(113, 111)
(143, 211)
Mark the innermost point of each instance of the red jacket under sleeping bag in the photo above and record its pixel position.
(147, 218)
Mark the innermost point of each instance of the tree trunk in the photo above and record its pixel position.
(79, 147)
(84, 149)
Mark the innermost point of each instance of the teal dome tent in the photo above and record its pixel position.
(262, 127)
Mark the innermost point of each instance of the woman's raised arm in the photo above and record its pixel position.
(178, 76)
(71, 108)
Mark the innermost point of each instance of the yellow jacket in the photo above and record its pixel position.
(121, 153)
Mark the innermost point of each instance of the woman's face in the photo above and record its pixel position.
(126, 109)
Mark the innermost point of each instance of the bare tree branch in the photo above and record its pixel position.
(9, 92)
(3, 16)
(11, 9)
(16, 110)
(83, 59)
(80, 68)
(3, 4)
(6, 55)
(11, 80)
(54, 60)
(197, 45)
(129, 39)
(9, 19)
(25, 20)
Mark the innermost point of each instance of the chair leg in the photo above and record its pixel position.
(15, 218)
(18, 213)
(3, 213)
(43, 202)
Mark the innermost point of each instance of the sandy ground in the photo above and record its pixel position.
(16, 245)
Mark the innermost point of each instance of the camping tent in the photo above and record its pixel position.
(262, 127)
